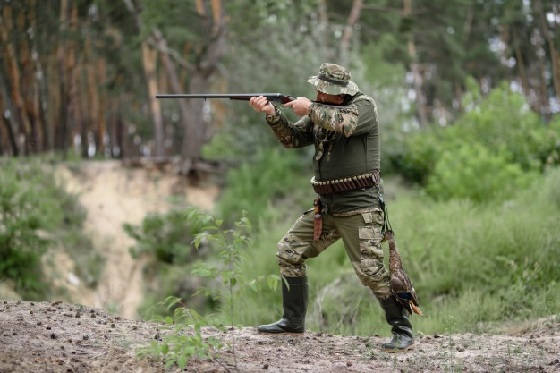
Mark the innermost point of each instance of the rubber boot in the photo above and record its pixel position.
(397, 316)
(295, 307)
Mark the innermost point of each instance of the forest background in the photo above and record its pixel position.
(468, 95)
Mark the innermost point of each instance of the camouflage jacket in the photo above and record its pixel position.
(346, 140)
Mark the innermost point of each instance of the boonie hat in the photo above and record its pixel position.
(333, 79)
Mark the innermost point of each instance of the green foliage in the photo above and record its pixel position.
(500, 257)
(472, 171)
(189, 240)
(25, 211)
(168, 237)
(245, 132)
(496, 131)
(184, 340)
(378, 70)
(167, 240)
(227, 245)
(34, 214)
(271, 180)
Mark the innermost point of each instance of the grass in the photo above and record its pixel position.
(472, 265)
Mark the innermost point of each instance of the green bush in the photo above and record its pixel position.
(274, 180)
(35, 213)
(168, 237)
(189, 241)
(24, 215)
(501, 122)
(26, 212)
(167, 240)
(499, 256)
(472, 171)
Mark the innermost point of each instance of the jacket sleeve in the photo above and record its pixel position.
(291, 135)
(351, 120)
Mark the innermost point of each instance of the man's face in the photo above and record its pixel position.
(325, 98)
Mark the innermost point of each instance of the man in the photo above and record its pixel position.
(343, 125)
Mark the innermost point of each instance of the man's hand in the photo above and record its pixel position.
(262, 105)
(300, 105)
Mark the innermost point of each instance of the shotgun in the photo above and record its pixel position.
(273, 97)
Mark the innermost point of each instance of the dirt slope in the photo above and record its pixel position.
(58, 337)
(113, 195)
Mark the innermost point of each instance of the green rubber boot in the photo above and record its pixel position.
(397, 316)
(295, 307)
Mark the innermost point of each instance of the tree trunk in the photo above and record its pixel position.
(414, 66)
(61, 124)
(556, 58)
(28, 79)
(93, 93)
(111, 109)
(52, 98)
(44, 90)
(14, 75)
(84, 109)
(101, 120)
(321, 31)
(3, 138)
(36, 111)
(347, 35)
(172, 76)
(7, 132)
(149, 60)
(75, 105)
(554, 63)
(120, 132)
(72, 72)
(520, 64)
(200, 7)
(543, 91)
(195, 132)
(10, 136)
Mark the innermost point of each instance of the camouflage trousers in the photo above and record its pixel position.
(361, 234)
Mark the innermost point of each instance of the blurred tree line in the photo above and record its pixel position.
(81, 75)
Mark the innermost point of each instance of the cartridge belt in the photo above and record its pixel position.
(346, 184)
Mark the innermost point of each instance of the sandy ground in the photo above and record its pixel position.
(114, 195)
(59, 337)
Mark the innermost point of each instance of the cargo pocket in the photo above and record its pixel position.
(368, 248)
(373, 231)
(371, 254)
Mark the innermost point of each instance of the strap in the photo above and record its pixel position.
(387, 228)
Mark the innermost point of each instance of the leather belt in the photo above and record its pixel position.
(346, 184)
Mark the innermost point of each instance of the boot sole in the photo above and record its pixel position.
(279, 332)
(395, 350)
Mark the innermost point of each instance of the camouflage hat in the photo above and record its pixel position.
(333, 79)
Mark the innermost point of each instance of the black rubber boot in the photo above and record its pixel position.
(295, 307)
(397, 316)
